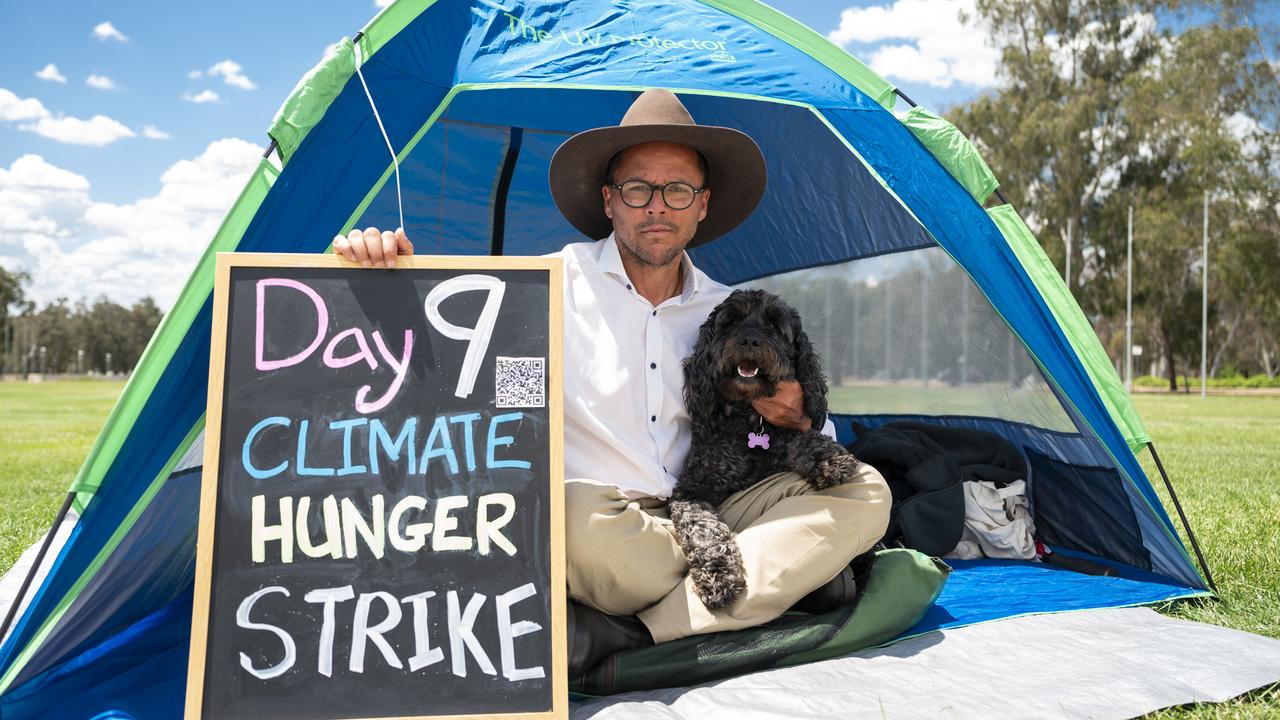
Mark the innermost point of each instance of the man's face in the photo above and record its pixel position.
(655, 234)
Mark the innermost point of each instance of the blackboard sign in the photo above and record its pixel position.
(381, 515)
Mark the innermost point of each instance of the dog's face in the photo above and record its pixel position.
(753, 344)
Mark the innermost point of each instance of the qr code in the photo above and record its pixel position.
(521, 382)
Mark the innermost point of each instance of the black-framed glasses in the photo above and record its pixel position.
(676, 195)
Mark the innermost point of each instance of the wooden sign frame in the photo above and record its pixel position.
(213, 449)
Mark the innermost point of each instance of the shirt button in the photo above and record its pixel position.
(655, 313)
(653, 366)
(653, 418)
(628, 286)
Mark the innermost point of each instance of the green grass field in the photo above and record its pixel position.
(1222, 454)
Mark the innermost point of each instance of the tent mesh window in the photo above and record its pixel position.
(909, 333)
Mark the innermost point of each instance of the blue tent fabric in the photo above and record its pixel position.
(981, 590)
(140, 672)
(161, 546)
(457, 87)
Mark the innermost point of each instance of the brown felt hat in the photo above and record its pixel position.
(735, 167)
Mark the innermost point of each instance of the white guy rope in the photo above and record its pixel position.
(395, 162)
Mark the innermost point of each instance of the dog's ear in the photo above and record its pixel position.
(809, 374)
(701, 394)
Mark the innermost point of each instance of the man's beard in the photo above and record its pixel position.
(646, 256)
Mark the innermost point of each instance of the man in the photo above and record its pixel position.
(633, 305)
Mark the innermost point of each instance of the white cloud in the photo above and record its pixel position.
(941, 49)
(33, 116)
(102, 82)
(50, 73)
(154, 133)
(195, 75)
(204, 96)
(909, 63)
(16, 109)
(98, 130)
(382, 3)
(36, 197)
(75, 247)
(107, 31)
(230, 71)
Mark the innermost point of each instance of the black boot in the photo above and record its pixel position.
(836, 592)
(595, 635)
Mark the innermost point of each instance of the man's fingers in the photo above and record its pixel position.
(342, 248)
(372, 247)
(402, 243)
(359, 253)
(373, 243)
(389, 248)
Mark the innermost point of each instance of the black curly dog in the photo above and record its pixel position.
(750, 342)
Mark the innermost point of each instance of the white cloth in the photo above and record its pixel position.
(997, 522)
(624, 416)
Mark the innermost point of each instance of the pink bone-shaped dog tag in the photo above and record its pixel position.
(760, 440)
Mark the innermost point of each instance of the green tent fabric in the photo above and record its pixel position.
(953, 150)
(305, 106)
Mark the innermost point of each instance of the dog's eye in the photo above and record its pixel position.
(780, 320)
(725, 319)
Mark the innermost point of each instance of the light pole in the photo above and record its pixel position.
(108, 364)
(1204, 307)
(1128, 314)
(80, 361)
(1067, 275)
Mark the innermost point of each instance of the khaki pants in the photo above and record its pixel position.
(623, 557)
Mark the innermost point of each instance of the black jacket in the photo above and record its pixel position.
(924, 465)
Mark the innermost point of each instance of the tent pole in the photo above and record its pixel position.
(35, 567)
(500, 195)
(1185, 525)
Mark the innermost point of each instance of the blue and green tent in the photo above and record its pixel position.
(928, 300)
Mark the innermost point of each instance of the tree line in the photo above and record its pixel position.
(1107, 105)
(61, 337)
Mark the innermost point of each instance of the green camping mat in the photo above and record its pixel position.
(894, 594)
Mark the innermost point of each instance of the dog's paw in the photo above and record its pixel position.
(833, 471)
(717, 574)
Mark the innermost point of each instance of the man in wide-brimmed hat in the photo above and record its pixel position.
(633, 305)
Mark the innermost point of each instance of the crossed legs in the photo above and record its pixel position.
(624, 560)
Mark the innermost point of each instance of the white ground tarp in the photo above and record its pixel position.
(1113, 663)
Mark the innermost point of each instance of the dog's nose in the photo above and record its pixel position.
(751, 341)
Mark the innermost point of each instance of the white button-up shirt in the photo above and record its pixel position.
(624, 416)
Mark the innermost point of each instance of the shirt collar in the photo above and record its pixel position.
(611, 262)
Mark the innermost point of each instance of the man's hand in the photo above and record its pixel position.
(372, 248)
(785, 408)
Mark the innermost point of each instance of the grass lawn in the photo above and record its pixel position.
(46, 430)
(1222, 454)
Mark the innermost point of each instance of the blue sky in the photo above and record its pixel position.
(113, 177)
